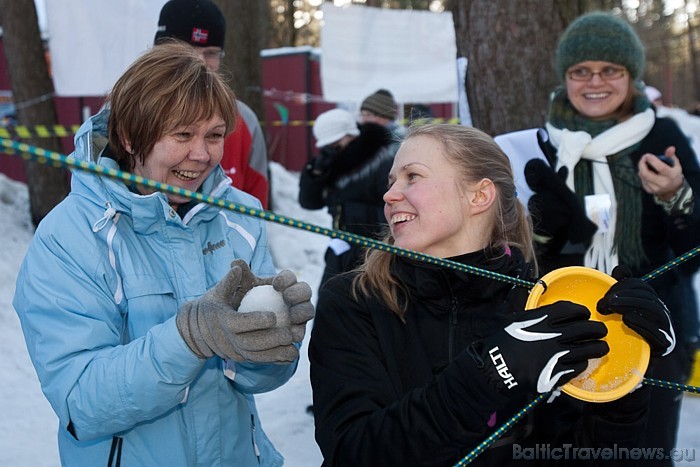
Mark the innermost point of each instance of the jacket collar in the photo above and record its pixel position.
(441, 286)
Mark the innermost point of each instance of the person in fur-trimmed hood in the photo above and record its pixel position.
(349, 177)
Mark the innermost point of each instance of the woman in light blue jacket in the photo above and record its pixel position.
(128, 297)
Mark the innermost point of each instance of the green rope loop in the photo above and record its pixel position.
(671, 264)
(42, 156)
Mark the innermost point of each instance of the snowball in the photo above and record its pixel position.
(266, 298)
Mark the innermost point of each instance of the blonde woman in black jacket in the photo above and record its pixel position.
(413, 364)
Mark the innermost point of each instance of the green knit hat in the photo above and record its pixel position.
(600, 37)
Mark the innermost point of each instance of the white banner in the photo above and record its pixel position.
(410, 53)
(92, 42)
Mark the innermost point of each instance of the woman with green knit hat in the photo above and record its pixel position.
(607, 183)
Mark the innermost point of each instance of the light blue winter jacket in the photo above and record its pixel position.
(97, 295)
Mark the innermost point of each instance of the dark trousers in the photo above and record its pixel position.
(665, 404)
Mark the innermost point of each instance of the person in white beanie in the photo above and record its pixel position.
(349, 177)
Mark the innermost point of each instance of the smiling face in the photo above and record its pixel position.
(183, 157)
(426, 207)
(597, 98)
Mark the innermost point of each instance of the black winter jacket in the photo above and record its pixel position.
(663, 237)
(393, 393)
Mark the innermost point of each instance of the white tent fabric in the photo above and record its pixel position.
(465, 114)
(92, 42)
(410, 53)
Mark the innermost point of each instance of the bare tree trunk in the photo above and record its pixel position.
(282, 30)
(666, 51)
(292, 34)
(246, 35)
(510, 47)
(32, 92)
(692, 44)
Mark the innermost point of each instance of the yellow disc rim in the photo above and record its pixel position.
(622, 369)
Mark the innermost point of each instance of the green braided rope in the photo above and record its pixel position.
(521, 413)
(57, 160)
(42, 156)
(499, 432)
(671, 264)
(671, 385)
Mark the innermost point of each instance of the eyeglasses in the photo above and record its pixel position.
(212, 54)
(609, 73)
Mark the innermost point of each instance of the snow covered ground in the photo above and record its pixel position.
(28, 431)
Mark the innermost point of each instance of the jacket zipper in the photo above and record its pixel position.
(452, 330)
(252, 429)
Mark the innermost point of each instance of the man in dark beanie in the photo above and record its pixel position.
(201, 24)
(380, 104)
(382, 109)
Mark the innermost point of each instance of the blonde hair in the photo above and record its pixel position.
(166, 87)
(475, 156)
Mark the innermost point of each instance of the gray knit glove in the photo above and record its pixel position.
(210, 325)
(297, 297)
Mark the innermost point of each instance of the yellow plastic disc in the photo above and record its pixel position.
(622, 369)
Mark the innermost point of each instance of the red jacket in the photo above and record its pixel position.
(245, 156)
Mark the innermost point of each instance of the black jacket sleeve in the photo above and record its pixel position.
(620, 422)
(683, 230)
(312, 189)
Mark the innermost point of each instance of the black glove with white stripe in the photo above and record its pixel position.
(541, 349)
(642, 311)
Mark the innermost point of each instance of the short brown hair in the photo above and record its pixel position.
(166, 87)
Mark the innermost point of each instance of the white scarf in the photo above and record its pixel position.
(572, 146)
